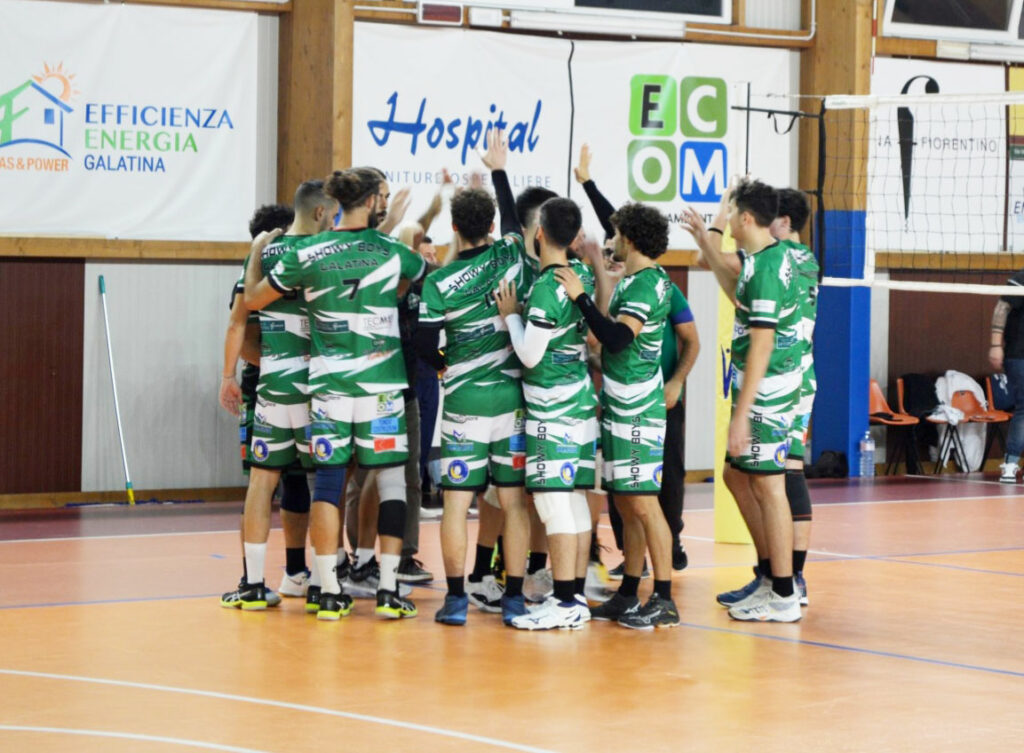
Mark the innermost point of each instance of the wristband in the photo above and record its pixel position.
(716, 230)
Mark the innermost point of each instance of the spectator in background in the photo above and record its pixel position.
(1006, 353)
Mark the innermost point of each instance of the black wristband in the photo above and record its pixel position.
(716, 230)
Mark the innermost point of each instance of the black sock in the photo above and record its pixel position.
(663, 588)
(482, 564)
(765, 568)
(783, 586)
(799, 558)
(501, 550)
(581, 584)
(295, 560)
(456, 586)
(563, 590)
(595, 549)
(538, 561)
(629, 585)
(513, 585)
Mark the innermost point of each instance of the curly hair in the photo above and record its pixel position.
(353, 186)
(269, 217)
(473, 214)
(760, 199)
(643, 226)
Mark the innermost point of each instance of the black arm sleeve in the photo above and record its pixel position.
(614, 336)
(602, 207)
(506, 203)
(426, 339)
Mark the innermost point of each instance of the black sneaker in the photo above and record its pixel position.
(410, 570)
(343, 569)
(657, 612)
(334, 606)
(313, 599)
(368, 575)
(249, 597)
(394, 607)
(616, 573)
(679, 559)
(615, 607)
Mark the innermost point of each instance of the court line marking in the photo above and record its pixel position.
(857, 650)
(469, 737)
(129, 736)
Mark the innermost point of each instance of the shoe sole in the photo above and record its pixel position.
(764, 619)
(415, 578)
(328, 616)
(253, 606)
(394, 614)
(312, 609)
(450, 621)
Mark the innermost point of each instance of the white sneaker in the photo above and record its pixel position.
(596, 588)
(552, 615)
(538, 586)
(367, 588)
(759, 594)
(773, 608)
(584, 607)
(294, 585)
(1008, 473)
(485, 595)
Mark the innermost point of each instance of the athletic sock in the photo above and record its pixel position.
(295, 560)
(564, 590)
(581, 584)
(482, 564)
(342, 556)
(254, 556)
(325, 564)
(514, 585)
(799, 558)
(363, 556)
(456, 586)
(765, 568)
(314, 573)
(537, 561)
(389, 571)
(629, 586)
(663, 588)
(783, 586)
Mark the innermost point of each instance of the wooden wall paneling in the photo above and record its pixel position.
(40, 375)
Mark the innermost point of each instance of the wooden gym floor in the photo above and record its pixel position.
(113, 641)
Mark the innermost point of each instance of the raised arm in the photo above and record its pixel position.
(494, 159)
(726, 267)
(602, 207)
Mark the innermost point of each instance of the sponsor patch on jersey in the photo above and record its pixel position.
(517, 442)
(567, 473)
(519, 462)
(331, 327)
(385, 404)
(656, 476)
(763, 306)
(272, 325)
(322, 448)
(384, 444)
(459, 447)
(260, 451)
(649, 355)
(384, 426)
(520, 420)
(780, 455)
(561, 358)
(458, 472)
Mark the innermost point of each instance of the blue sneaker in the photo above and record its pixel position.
(512, 607)
(729, 598)
(454, 610)
(801, 588)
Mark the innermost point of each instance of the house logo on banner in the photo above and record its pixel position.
(662, 168)
(116, 137)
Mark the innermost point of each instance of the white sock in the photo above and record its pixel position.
(254, 556)
(325, 564)
(314, 574)
(363, 556)
(389, 571)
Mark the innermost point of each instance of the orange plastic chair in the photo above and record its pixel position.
(995, 419)
(879, 413)
(974, 412)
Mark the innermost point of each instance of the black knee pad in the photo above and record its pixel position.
(330, 483)
(798, 496)
(391, 518)
(295, 493)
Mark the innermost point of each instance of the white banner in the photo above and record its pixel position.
(126, 122)
(427, 107)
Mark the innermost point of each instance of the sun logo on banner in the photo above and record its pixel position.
(34, 111)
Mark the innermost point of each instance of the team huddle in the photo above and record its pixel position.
(520, 324)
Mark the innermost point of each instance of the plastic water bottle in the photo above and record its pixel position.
(867, 456)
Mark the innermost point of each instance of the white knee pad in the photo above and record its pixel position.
(581, 512)
(555, 511)
(391, 483)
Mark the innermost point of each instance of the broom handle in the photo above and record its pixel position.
(113, 384)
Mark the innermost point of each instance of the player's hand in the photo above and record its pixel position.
(497, 151)
(582, 169)
(589, 249)
(570, 281)
(673, 389)
(693, 223)
(396, 209)
(739, 435)
(230, 395)
(995, 357)
(505, 297)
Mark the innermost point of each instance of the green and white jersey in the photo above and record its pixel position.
(460, 298)
(766, 296)
(284, 334)
(633, 375)
(806, 278)
(561, 375)
(350, 282)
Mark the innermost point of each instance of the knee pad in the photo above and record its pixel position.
(330, 483)
(295, 493)
(555, 511)
(391, 484)
(391, 518)
(581, 512)
(798, 495)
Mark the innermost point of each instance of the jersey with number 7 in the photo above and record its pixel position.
(350, 282)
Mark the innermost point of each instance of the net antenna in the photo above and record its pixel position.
(937, 181)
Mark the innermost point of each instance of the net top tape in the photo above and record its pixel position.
(872, 101)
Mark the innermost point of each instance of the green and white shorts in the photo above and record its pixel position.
(798, 434)
(633, 444)
(477, 450)
(771, 421)
(371, 426)
(280, 435)
(560, 452)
